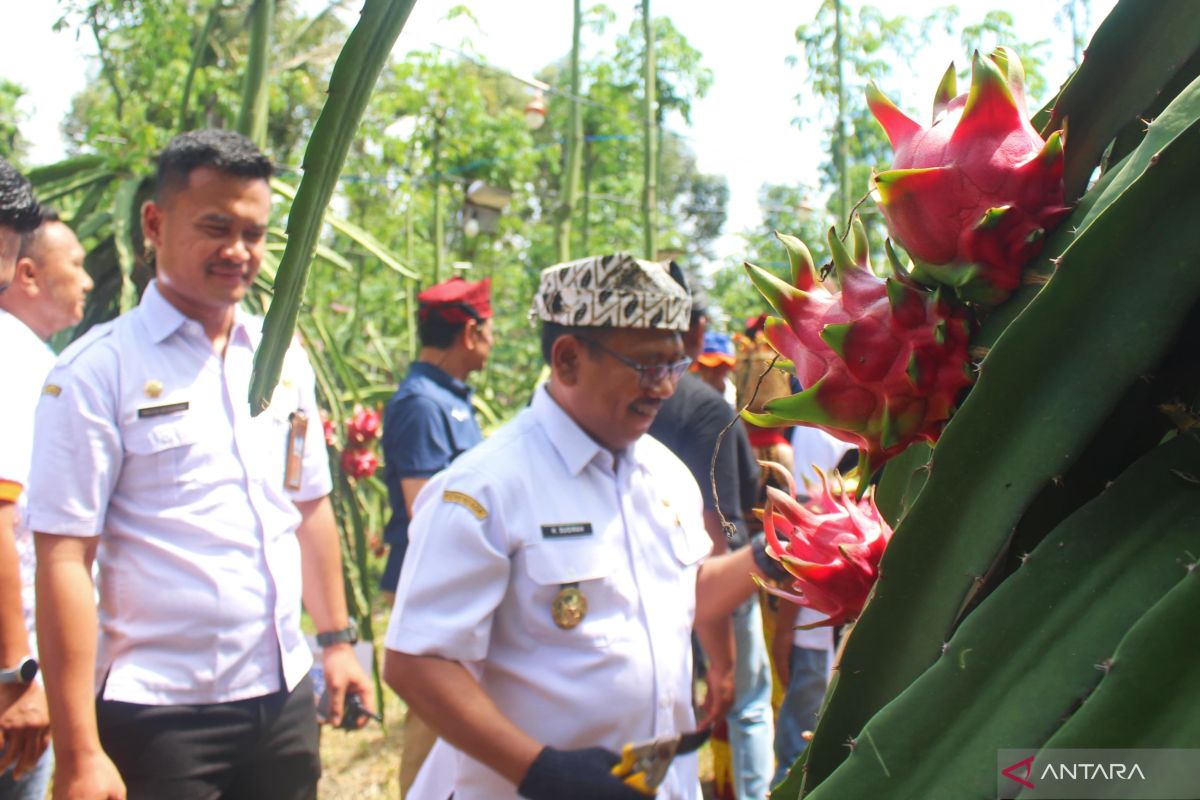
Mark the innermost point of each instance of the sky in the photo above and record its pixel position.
(742, 129)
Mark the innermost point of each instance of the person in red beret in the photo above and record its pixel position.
(428, 423)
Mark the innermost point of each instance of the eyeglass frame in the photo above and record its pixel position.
(649, 375)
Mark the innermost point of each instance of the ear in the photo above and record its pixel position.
(565, 356)
(25, 275)
(468, 337)
(152, 222)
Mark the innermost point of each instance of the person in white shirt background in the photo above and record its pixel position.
(47, 295)
(24, 725)
(192, 679)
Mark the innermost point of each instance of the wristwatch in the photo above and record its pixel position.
(348, 634)
(24, 672)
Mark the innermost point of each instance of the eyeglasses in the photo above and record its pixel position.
(649, 375)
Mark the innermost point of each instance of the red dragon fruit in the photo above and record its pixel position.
(831, 547)
(363, 425)
(359, 462)
(972, 196)
(881, 361)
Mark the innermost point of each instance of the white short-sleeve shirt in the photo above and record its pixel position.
(144, 437)
(27, 359)
(538, 508)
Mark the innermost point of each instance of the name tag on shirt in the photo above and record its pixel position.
(160, 411)
(566, 530)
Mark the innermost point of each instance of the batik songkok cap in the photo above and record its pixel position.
(616, 291)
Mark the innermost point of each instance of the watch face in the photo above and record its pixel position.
(28, 670)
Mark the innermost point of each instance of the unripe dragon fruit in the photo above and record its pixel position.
(881, 361)
(831, 546)
(972, 197)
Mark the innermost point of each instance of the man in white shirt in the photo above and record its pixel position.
(210, 523)
(545, 607)
(22, 707)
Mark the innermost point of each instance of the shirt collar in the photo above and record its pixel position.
(572, 442)
(162, 319)
(441, 378)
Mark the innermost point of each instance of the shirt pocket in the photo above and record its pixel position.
(573, 565)
(160, 452)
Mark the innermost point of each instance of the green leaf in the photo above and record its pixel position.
(125, 210)
(354, 75)
(358, 235)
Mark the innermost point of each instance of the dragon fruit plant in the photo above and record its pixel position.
(830, 545)
(1044, 567)
(882, 361)
(972, 196)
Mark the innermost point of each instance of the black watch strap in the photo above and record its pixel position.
(348, 635)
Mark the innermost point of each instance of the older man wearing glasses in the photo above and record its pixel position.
(554, 572)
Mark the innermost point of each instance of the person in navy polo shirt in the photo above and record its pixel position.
(428, 423)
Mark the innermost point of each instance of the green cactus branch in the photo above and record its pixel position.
(1028, 655)
(354, 75)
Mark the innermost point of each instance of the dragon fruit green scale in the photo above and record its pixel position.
(971, 197)
(882, 361)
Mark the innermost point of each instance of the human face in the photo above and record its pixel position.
(63, 283)
(481, 337)
(210, 237)
(607, 397)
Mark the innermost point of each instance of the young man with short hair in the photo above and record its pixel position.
(193, 680)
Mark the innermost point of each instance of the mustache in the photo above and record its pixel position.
(647, 404)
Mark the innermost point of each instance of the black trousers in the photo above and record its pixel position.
(264, 748)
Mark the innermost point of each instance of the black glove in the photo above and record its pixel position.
(766, 565)
(576, 774)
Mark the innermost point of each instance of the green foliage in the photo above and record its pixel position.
(12, 146)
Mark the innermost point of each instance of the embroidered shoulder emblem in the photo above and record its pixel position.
(468, 502)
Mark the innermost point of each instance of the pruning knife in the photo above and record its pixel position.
(644, 765)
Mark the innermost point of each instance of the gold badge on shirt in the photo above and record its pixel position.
(52, 389)
(153, 388)
(466, 501)
(569, 607)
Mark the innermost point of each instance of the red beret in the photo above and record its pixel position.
(457, 300)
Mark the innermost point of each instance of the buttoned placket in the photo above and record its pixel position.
(236, 369)
(643, 562)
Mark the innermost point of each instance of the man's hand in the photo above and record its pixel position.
(343, 676)
(718, 698)
(24, 726)
(89, 777)
(579, 774)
